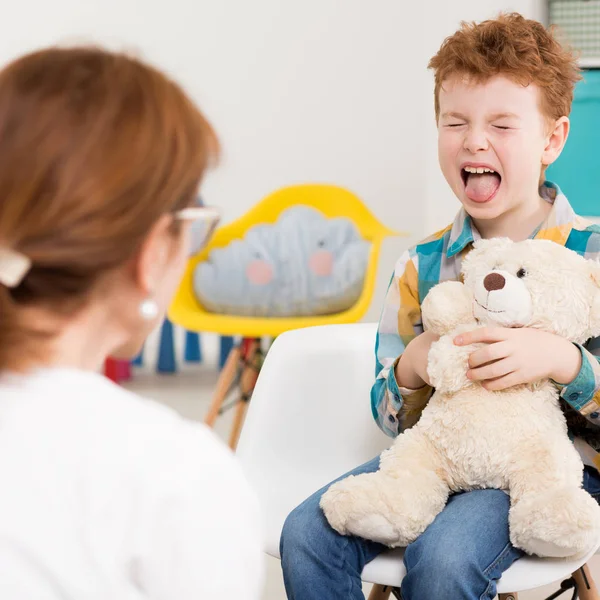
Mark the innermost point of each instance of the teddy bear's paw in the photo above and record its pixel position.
(376, 528)
(378, 507)
(447, 306)
(563, 523)
(353, 507)
(448, 364)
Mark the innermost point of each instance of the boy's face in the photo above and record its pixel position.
(493, 126)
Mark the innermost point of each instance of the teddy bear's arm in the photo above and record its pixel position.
(447, 363)
(447, 310)
(447, 306)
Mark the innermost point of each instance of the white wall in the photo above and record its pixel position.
(314, 90)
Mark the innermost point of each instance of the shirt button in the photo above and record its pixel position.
(594, 415)
(574, 396)
(392, 418)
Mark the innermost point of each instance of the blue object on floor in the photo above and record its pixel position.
(193, 351)
(225, 348)
(166, 349)
(576, 169)
(138, 361)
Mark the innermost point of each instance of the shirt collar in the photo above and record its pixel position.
(557, 226)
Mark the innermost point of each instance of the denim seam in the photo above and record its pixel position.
(345, 562)
(486, 593)
(496, 562)
(498, 559)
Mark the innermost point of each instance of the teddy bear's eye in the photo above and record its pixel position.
(521, 273)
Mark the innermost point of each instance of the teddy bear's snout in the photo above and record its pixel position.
(502, 298)
(493, 282)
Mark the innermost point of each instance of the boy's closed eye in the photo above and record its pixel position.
(505, 121)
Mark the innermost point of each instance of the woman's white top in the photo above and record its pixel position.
(105, 495)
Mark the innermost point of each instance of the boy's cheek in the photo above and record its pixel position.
(448, 146)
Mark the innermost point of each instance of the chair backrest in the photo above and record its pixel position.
(309, 419)
(332, 201)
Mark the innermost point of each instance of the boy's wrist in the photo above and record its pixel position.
(406, 375)
(567, 363)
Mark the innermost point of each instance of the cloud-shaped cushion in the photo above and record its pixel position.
(304, 264)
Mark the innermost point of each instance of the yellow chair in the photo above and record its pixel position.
(186, 311)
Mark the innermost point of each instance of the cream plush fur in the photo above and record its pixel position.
(469, 438)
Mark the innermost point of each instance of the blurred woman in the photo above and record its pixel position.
(104, 494)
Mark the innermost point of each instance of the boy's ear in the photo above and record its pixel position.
(556, 140)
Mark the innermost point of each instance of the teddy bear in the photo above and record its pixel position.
(470, 438)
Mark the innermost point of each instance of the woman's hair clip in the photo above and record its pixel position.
(13, 267)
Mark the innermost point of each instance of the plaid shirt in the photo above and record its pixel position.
(438, 258)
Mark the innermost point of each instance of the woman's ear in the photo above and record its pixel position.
(152, 258)
(556, 140)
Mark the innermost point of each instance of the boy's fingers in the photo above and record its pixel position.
(483, 334)
(488, 354)
(494, 370)
(503, 383)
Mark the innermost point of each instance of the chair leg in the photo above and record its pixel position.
(248, 379)
(508, 596)
(586, 588)
(226, 379)
(380, 592)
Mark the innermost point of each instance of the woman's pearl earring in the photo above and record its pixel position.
(148, 309)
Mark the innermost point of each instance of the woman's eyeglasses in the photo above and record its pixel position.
(205, 220)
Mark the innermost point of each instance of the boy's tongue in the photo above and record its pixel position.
(482, 186)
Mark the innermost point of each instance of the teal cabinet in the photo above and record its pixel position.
(577, 170)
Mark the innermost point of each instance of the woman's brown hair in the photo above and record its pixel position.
(94, 147)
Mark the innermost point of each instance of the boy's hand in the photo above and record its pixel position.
(411, 370)
(516, 356)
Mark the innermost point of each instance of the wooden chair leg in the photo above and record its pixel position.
(586, 588)
(236, 429)
(226, 378)
(380, 592)
(508, 596)
(247, 382)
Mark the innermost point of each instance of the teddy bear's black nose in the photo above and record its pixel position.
(494, 281)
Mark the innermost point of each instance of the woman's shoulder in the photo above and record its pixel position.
(90, 410)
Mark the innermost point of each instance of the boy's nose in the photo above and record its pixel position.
(494, 281)
(475, 142)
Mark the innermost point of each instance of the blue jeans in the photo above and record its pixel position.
(461, 555)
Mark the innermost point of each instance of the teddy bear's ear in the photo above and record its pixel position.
(485, 248)
(492, 245)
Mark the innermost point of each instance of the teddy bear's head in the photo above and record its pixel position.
(534, 283)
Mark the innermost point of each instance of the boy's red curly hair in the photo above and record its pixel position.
(518, 48)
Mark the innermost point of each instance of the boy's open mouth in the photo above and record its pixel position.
(481, 183)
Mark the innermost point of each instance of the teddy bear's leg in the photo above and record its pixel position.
(394, 505)
(551, 514)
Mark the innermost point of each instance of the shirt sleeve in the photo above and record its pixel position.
(583, 393)
(395, 408)
(202, 535)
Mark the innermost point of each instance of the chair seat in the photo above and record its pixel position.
(527, 573)
(332, 201)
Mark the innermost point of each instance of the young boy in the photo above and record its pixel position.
(503, 93)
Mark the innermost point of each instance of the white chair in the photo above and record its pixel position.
(310, 421)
